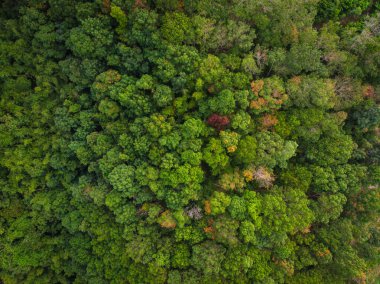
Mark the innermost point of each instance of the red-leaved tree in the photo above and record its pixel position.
(218, 122)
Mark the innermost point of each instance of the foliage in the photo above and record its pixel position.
(189, 141)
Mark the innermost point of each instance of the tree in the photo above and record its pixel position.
(333, 150)
(311, 92)
(247, 230)
(207, 257)
(163, 95)
(334, 10)
(229, 140)
(118, 14)
(328, 207)
(249, 65)
(215, 156)
(246, 150)
(303, 56)
(263, 177)
(181, 257)
(91, 39)
(223, 103)
(225, 231)
(218, 121)
(193, 128)
(268, 94)
(297, 177)
(273, 150)
(242, 121)
(177, 28)
(219, 202)
(122, 179)
(238, 208)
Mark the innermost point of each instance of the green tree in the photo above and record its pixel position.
(207, 257)
(215, 156)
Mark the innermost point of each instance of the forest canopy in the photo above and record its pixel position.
(189, 141)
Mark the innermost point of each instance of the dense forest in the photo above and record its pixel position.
(189, 141)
